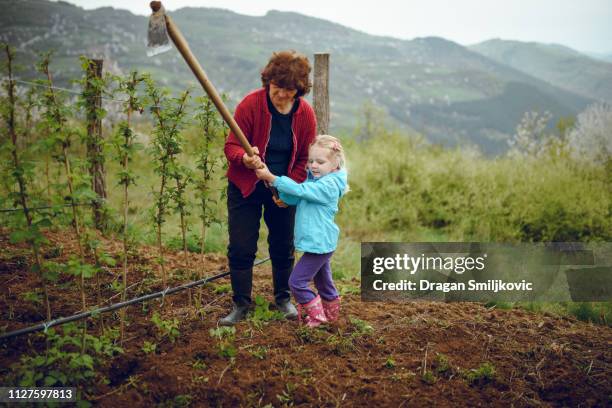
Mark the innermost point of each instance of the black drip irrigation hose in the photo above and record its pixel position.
(168, 291)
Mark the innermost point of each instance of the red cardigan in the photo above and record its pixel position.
(255, 120)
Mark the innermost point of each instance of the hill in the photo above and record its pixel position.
(451, 93)
(561, 66)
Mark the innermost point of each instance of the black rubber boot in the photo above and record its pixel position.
(237, 314)
(287, 309)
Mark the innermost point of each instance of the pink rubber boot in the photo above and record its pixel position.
(315, 315)
(331, 309)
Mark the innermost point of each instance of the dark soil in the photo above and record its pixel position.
(418, 354)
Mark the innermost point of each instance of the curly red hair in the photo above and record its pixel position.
(288, 69)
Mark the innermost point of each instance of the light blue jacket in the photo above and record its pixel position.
(317, 204)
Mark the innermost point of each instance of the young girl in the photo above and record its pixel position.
(316, 234)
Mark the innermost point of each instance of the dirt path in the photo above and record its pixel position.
(413, 354)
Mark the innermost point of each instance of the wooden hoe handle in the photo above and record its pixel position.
(181, 44)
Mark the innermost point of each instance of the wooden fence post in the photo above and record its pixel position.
(321, 92)
(95, 154)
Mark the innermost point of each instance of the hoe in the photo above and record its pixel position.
(161, 30)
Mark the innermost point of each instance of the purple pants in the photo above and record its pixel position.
(312, 267)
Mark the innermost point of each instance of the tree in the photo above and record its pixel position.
(591, 138)
(531, 138)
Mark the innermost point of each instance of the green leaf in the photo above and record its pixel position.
(107, 259)
(50, 380)
(83, 404)
(19, 236)
(44, 223)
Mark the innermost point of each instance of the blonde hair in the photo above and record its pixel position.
(334, 146)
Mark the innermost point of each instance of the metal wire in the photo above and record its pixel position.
(167, 291)
(72, 91)
(5, 210)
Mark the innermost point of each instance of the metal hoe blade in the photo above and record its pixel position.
(158, 40)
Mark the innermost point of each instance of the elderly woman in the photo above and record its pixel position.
(280, 125)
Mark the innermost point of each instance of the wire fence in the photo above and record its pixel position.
(72, 91)
(46, 207)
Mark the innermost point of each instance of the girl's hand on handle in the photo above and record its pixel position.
(279, 203)
(263, 173)
(252, 162)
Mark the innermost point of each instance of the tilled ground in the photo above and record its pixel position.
(417, 354)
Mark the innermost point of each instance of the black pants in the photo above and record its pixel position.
(244, 216)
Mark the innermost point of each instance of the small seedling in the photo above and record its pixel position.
(441, 363)
(32, 297)
(341, 344)
(260, 352)
(286, 397)
(225, 341)
(263, 314)
(429, 378)
(149, 347)
(199, 379)
(199, 364)
(390, 363)
(226, 288)
(308, 335)
(482, 374)
(166, 328)
(361, 327)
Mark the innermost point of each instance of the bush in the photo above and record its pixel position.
(402, 187)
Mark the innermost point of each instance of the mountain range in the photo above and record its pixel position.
(455, 95)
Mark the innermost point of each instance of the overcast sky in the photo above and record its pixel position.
(585, 25)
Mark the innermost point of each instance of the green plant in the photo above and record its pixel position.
(429, 378)
(286, 397)
(149, 347)
(214, 134)
(55, 119)
(441, 363)
(62, 363)
(262, 313)
(308, 335)
(20, 170)
(199, 379)
(169, 114)
(182, 177)
(591, 312)
(484, 373)
(125, 148)
(199, 364)
(361, 327)
(341, 344)
(166, 328)
(32, 297)
(260, 352)
(390, 363)
(225, 288)
(225, 341)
